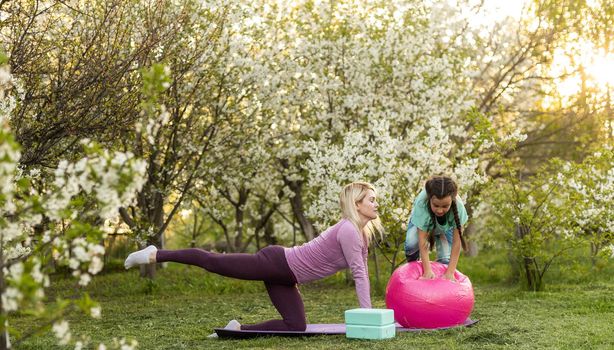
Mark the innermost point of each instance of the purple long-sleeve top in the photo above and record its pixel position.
(339, 247)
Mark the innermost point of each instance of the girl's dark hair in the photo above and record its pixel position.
(441, 186)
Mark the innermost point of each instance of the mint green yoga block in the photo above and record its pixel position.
(370, 332)
(369, 317)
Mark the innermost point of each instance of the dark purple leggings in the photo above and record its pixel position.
(268, 265)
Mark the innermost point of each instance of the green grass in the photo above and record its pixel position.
(182, 306)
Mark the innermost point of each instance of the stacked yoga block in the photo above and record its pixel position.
(370, 323)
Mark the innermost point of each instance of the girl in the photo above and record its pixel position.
(340, 246)
(437, 217)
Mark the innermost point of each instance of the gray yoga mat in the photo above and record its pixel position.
(318, 329)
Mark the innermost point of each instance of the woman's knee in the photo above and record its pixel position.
(298, 325)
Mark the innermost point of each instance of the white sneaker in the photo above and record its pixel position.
(232, 325)
(140, 257)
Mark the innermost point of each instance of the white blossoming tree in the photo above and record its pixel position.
(556, 123)
(358, 98)
(542, 217)
(238, 187)
(79, 65)
(532, 220)
(187, 101)
(57, 224)
(589, 193)
(335, 92)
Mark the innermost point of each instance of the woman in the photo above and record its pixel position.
(343, 245)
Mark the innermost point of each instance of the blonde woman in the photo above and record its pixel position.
(343, 245)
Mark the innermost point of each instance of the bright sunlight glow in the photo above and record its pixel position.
(602, 70)
(598, 72)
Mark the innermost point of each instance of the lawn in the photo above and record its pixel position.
(182, 306)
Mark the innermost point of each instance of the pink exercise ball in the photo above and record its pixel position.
(435, 303)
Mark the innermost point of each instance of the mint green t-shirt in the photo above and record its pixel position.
(421, 218)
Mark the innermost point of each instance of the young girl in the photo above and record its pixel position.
(437, 217)
(340, 246)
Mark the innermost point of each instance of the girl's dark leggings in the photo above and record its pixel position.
(268, 265)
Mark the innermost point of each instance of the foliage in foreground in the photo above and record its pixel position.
(60, 224)
(182, 306)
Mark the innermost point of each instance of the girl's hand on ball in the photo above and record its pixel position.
(449, 276)
(427, 275)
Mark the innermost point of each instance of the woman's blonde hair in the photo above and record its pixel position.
(351, 195)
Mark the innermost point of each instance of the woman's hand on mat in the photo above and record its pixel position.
(427, 275)
(449, 276)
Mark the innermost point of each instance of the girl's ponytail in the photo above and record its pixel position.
(458, 225)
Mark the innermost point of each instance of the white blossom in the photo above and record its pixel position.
(62, 332)
(84, 279)
(11, 298)
(95, 266)
(124, 345)
(95, 312)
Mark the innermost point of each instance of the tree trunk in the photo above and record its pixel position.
(348, 278)
(269, 233)
(238, 241)
(239, 219)
(378, 285)
(194, 232)
(257, 237)
(472, 246)
(149, 270)
(534, 280)
(157, 219)
(532, 275)
(264, 222)
(594, 251)
(5, 342)
(296, 201)
(309, 231)
(514, 258)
